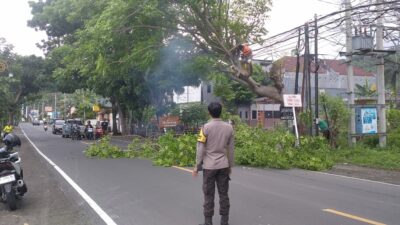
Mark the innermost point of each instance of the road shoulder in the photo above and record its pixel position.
(50, 200)
(386, 176)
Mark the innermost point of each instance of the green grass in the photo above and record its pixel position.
(369, 157)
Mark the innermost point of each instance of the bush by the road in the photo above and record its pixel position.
(253, 147)
(275, 149)
(103, 149)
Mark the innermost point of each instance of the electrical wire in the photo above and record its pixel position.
(293, 33)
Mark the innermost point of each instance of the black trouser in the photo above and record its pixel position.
(221, 177)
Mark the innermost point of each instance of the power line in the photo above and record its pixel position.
(292, 33)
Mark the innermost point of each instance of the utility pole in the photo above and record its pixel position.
(381, 80)
(296, 83)
(42, 113)
(55, 105)
(308, 76)
(350, 76)
(65, 107)
(316, 91)
(84, 106)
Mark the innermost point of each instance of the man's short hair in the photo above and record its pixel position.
(214, 108)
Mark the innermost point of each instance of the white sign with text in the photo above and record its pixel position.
(291, 100)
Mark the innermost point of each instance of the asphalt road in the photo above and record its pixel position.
(135, 192)
(49, 200)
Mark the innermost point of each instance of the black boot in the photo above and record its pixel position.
(224, 220)
(207, 221)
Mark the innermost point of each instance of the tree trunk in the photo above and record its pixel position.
(123, 120)
(272, 92)
(114, 115)
(11, 117)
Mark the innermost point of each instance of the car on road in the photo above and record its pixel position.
(35, 123)
(67, 127)
(58, 126)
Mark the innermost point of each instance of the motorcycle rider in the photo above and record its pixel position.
(89, 130)
(8, 129)
(45, 125)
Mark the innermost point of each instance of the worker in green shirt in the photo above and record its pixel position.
(323, 126)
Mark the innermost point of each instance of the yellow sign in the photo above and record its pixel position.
(3, 66)
(96, 108)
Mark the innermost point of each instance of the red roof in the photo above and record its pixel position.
(338, 66)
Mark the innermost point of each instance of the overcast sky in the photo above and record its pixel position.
(285, 15)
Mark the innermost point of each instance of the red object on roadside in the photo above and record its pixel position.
(98, 132)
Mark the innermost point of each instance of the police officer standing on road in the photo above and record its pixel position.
(215, 157)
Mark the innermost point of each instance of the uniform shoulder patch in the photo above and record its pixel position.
(201, 137)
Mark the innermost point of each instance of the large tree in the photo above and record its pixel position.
(24, 77)
(218, 27)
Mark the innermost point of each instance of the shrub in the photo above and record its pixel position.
(174, 150)
(103, 149)
(275, 149)
(313, 154)
(253, 147)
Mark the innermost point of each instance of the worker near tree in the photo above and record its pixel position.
(215, 156)
(246, 55)
(323, 126)
(245, 52)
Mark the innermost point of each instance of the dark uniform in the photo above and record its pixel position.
(215, 156)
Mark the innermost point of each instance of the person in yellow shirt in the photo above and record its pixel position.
(8, 129)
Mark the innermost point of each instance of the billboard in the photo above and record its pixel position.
(369, 121)
(366, 120)
(48, 109)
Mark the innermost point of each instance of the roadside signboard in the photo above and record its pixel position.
(48, 109)
(286, 113)
(292, 100)
(366, 120)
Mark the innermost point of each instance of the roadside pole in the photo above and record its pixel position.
(316, 91)
(297, 143)
(381, 80)
(293, 100)
(350, 77)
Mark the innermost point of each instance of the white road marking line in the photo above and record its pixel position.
(103, 215)
(355, 178)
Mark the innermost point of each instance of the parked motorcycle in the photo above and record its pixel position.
(12, 186)
(76, 133)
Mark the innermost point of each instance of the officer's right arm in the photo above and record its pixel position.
(231, 146)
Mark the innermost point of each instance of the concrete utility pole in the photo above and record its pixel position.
(350, 76)
(55, 105)
(296, 84)
(307, 76)
(316, 116)
(381, 80)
